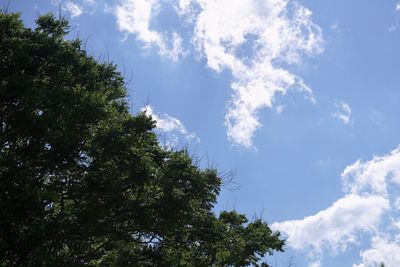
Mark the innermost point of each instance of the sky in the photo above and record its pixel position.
(300, 100)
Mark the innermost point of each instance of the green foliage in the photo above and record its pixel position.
(85, 183)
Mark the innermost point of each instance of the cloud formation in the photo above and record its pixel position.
(272, 36)
(173, 132)
(373, 176)
(337, 226)
(383, 250)
(396, 23)
(254, 40)
(134, 17)
(369, 208)
(74, 9)
(343, 112)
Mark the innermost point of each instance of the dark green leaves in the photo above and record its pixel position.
(85, 183)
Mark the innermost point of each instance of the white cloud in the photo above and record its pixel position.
(337, 226)
(315, 264)
(372, 176)
(134, 17)
(252, 39)
(74, 9)
(384, 250)
(335, 26)
(394, 27)
(77, 8)
(371, 194)
(176, 50)
(343, 112)
(396, 224)
(271, 35)
(173, 130)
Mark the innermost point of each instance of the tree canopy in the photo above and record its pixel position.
(86, 183)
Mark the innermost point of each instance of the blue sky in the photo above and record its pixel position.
(300, 98)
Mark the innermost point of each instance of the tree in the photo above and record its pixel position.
(85, 183)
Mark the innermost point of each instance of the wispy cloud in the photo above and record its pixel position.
(335, 26)
(384, 249)
(254, 40)
(370, 196)
(134, 17)
(315, 264)
(343, 112)
(396, 24)
(77, 8)
(173, 131)
(74, 9)
(273, 37)
(373, 176)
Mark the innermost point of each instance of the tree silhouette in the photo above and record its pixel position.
(85, 183)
